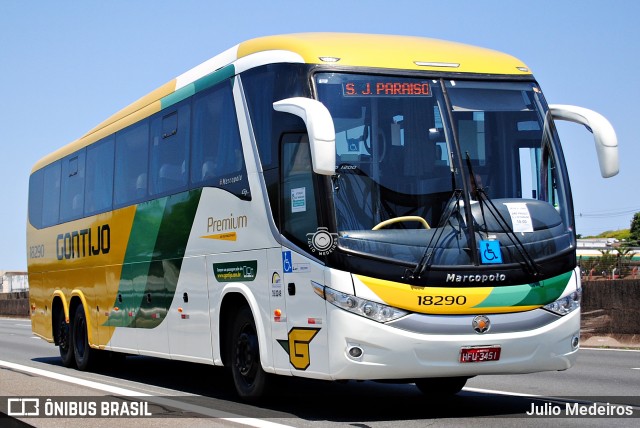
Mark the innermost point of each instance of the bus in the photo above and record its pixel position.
(323, 205)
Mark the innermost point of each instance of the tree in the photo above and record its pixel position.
(634, 229)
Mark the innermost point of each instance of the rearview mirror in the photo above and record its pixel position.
(603, 134)
(322, 134)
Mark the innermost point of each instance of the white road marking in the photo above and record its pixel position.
(611, 349)
(491, 391)
(258, 423)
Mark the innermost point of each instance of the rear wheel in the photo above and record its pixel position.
(63, 332)
(249, 378)
(441, 386)
(84, 354)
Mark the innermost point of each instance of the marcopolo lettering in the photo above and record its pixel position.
(482, 278)
(84, 243)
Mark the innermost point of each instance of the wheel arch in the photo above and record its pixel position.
(59, 304)
(232, 300)
(78, 297)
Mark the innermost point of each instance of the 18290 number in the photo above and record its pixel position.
(441, 300)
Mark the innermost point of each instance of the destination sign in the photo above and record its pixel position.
(386, 88)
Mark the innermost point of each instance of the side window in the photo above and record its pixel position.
(217, 159)
(299, 215)
(72, 190)
(131, 171)
(170, 150)
(51, 193)
(98, 192)
(265, 85)
(36, 194)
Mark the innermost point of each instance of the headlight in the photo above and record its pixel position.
(565, 305)
(365, 308)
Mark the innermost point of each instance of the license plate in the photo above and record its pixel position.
(479, 354)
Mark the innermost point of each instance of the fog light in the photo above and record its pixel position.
(575, 342)
(355, 352)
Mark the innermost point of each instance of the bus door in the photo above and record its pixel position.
(306, 340)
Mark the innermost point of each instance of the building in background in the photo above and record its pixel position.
(11, 281)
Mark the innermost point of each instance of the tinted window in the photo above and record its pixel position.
(99, 176)
(51, 195)
(35, 198)
(72, 190)
(169, 150)
(265, 85)
(217, 158)
(132, 153)
(299, 213)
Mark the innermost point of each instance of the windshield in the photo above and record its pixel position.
(429, 171)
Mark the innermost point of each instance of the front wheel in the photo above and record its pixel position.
(441, 386)
(249, 378)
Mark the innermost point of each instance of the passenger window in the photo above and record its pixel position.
(132, 153)
(51, 193)
(98, 194)
(169, 150)
(36, 194)
(72, 190)
(217, 159)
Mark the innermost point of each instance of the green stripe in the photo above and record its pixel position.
(199, 85)
(534, 294)
(153, 260)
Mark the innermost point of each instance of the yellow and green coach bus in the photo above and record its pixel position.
(329, 206)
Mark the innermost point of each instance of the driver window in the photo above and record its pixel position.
(299, 203)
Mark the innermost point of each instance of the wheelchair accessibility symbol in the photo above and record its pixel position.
(490, 252)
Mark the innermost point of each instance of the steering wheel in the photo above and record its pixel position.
(399, 219)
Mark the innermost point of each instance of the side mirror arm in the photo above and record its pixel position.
(603, 134)
(322, 135)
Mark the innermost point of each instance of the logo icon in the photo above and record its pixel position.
(481, 324)
(322, 241)
(287, 266)
(490, 251)
(23, 407)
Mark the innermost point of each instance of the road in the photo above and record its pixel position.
(199, 395)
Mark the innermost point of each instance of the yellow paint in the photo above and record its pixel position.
(299, 339)
(227, 236)
(92, 279)
(387, 51)
(408, 297)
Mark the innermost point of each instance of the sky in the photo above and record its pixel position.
(67, 65)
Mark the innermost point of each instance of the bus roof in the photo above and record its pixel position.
(339, 49)
(388, 51)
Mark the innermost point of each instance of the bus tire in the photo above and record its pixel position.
(63, 337)
(249, 379)
(441, 386)
(83, 353)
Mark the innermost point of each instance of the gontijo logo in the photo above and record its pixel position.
(83, 243)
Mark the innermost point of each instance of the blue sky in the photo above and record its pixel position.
(67, 65)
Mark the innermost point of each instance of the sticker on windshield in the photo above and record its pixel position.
(520, 217)
(298, 200)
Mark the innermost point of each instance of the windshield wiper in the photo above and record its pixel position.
(453, 205)
(529, 265)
